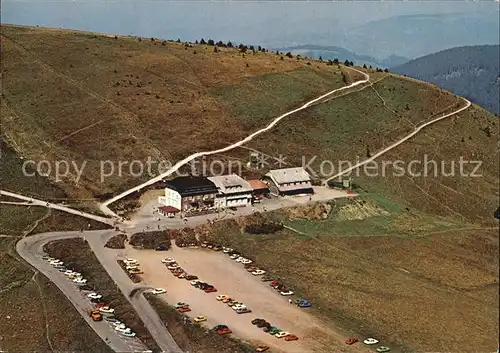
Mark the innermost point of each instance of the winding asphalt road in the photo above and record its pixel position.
(35, 202)
(31, 250)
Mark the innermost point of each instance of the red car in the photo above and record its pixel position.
(224, 331)
(99, 305)
(351, 340)
(275, 283)
(184, 310)
(291, 338)
(210, 290)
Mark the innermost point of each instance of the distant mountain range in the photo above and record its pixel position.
(471, 71)
(418, 35)
(332, 52)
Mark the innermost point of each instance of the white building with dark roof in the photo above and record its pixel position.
(233, 191)
(291, 181)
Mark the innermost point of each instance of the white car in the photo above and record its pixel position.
(240, 258)
(195, 282)
(281, 334)
(115, 323)
(370, 341)
(48, 258)
(227, 250)
(246, 261)
(238, 306)
(68, 272)
(80, 280)
(128, 334)
(221, 297)
(287, 293)
(56, 263)
(158, 291)
(75, 275)
(132, 267)
(130, 261)
(106, 310)
(234, 257)
(258, 272)
(167, 260)
(122, 328)
(173, 267)
(94, 295)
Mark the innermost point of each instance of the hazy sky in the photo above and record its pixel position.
(270, 23)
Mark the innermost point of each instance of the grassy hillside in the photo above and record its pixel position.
(79, 97)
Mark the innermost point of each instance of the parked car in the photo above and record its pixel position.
(287, 293)
(351, 340)
(106, 310)
(256, 321)
(200, 319)
(167, 260)
(162, 247)
(80, 281)
(262, 348)
(94, 295)
(122, 328)
(383, 349)
(158, 291)
(112, 321)
(224, 331)
(258, 272)
(210, 290)
(130, 261)
(191, 277)
(264, 324)
(243, 311)
(128, 334)
(221, 297)
(370, 341)
(184, 309)
(291, 338)
(180, 305)
(303, 303)
(95, 315)
(273, 330)
(281, 334)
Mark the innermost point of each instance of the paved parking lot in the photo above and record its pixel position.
(232, 279)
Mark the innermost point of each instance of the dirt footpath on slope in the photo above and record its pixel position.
(232, 279)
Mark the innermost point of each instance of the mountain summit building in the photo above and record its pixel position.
(233, 191)
(291, 181)
(189, 194)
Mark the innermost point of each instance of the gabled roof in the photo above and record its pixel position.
(225, 182)
(257, 184)
(289, 175)
(192, 185)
